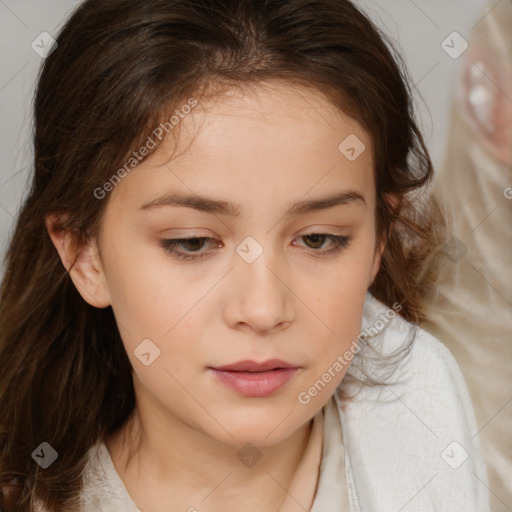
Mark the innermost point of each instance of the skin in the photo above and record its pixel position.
(263, 149)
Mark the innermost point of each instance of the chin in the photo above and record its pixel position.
(262, 427)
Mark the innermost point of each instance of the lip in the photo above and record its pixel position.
(253, 379)
(253, 366)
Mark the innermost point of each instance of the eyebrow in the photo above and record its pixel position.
(210, 205)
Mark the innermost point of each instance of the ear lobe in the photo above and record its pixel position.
(83, 263)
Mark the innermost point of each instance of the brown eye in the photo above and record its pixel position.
(318, 239)
(315, 238)
(192, 246)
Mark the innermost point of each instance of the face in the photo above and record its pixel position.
(271, 271)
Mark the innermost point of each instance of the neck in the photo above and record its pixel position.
(166, 464)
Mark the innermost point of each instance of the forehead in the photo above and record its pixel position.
(284, 110)
(271, 138)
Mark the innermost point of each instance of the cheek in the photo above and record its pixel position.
(151, 297)
(154, 306)
(332, 352)
(341, 312)
(338, 304)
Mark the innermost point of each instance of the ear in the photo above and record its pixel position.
(394, 202)
(83, 263)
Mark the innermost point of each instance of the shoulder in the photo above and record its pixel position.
(418, 431)
(415, 356)
(417, 368)
(100, 491)
(102, 487)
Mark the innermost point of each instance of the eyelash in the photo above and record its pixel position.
(340, 243)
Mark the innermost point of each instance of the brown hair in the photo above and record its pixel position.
(120, 67)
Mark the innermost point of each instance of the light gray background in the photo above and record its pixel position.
(417, 27)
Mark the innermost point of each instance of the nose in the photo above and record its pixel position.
(260, 297)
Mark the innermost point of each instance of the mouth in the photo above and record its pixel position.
(254, 366)
(253, 379)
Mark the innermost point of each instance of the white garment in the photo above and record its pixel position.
(388, 450)
(406, 444)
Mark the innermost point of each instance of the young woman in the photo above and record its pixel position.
(211, 293)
